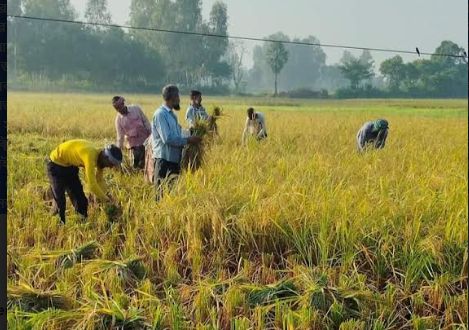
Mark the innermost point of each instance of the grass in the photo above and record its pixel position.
(297, 232)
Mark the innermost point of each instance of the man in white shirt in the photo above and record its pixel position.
(196, 111)
(254, 126)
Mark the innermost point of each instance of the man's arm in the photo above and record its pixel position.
(360, 140)
(263, 129)
(120, 133)
(145, 120)
(169, 137)
(91, 179)
(381, 139)
(190, 117)
(205, 114)
(100, 180)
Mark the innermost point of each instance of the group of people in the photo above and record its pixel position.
(159, 143)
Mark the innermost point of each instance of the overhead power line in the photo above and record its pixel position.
(386, 50)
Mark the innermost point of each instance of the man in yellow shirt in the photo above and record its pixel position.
(63, 167)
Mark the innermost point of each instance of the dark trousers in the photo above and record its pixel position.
(65, 179)
(138, 154)
(165, 175)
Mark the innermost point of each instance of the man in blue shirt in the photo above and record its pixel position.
(167, 140)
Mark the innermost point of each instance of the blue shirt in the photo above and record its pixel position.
(167, 135)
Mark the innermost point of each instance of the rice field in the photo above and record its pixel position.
(297, 232)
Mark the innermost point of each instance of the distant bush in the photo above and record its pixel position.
(367, 91)
(305, 93)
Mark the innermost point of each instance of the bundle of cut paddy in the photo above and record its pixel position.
(84, 252)
(192, 155)
(30, 299)
(129, 271)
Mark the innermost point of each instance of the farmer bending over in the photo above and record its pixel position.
(167, 139)
(196, 111)
(255, 125)
(372, 133)
(62, 169)
(132, 123)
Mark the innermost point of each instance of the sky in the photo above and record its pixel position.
(396, 24)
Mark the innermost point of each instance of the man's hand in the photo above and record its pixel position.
(194, 139)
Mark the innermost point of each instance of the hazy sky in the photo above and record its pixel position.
(400, 24)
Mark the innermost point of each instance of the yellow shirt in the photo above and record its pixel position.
(81, 153)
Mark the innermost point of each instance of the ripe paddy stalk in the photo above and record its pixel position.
(258, 214)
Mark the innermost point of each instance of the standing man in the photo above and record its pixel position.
(63, 166)
(132, 123)
(167, 139)
(373, 133)
(255, 125)
(195, 111)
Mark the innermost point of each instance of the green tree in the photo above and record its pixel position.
(277, 56)
(304, 65)
(394, 71)
(216, 48)
(356, 70)
(235, 55)
(14, 8)
(49, 48)
(96, 11)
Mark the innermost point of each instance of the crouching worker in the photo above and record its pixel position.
(63, 166)
(254, 126)
(372, 133)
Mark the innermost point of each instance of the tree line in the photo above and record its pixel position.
(96, 57)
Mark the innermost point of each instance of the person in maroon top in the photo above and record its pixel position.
(131, 123)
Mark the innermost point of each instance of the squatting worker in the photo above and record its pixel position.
(196, 111)
(63, 166)
(373, 133)
(167, 139)
(132, 123)
(255, 125)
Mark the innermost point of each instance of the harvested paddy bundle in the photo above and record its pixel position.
(84, 252)
(192, 156)
(30, 299)
(129, 271)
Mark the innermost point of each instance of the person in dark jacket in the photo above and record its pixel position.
(373, 133)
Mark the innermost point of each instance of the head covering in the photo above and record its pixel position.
(114, 154)
(380, 124)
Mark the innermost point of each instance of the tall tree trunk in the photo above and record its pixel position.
(275, 92)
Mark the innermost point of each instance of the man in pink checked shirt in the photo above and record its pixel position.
(131, 123)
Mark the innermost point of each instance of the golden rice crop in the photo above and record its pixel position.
(298, 232)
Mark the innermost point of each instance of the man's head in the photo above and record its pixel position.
(380, 125)
(110, 156)
(251, 113)
(196, 98)
(118, 102)
(171, 96)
